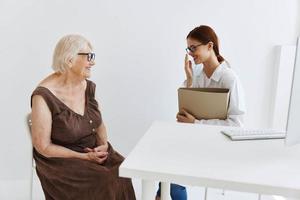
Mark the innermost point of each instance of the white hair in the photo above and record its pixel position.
(67, 49)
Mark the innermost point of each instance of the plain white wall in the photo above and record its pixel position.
(139, 49)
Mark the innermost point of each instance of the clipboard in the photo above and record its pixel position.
(204, 103)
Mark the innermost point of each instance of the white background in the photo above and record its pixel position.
(139, 49)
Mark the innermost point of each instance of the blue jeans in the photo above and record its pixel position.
(178, 192)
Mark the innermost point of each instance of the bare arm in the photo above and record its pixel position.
(41, 134)
(101, 135)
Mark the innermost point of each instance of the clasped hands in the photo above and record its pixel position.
(98, 154)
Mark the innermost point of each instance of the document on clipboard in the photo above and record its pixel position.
(204, 103)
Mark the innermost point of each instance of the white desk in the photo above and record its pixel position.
(200, 155)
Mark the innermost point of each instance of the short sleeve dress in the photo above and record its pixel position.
(71, 178)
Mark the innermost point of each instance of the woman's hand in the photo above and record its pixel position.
(188, 71)
(97, 157)
(184, 116)
(98, 154)
(99, 148)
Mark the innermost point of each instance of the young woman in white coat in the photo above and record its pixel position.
(214, 72)
(210, 71)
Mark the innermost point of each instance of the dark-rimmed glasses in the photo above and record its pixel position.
(192, 48)
(90, 56)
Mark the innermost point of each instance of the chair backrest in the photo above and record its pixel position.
(29, 123)
(32, 165)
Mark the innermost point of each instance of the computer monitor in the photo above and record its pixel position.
(293, 121)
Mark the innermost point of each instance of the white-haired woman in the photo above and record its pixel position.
(73, 158)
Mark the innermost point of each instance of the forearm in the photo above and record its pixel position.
(101, 135)
(102, 140)
(53, 150)
(232, 120)
(188, 83)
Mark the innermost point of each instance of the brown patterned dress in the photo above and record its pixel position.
(69, 178)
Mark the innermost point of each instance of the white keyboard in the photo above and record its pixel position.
(254, 134)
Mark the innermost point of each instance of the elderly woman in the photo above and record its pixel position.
(73, 158)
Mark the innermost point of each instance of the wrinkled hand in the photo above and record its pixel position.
(98, 154)
(184, 116)
(99, 148)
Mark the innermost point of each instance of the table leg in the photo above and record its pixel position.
(148, 190)
(165, 191)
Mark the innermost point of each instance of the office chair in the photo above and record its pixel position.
(32, 167)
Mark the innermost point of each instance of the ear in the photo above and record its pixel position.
(70, 62)
(210, 45)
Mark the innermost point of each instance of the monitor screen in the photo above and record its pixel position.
(293, 122)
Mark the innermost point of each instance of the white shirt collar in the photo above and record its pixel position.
(217, 74)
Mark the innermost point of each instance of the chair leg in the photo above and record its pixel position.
(223, 192)
(205, 193)
(31, 184)
(259, 196)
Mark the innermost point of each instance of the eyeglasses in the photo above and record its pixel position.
(90, 56)
(192, 48)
